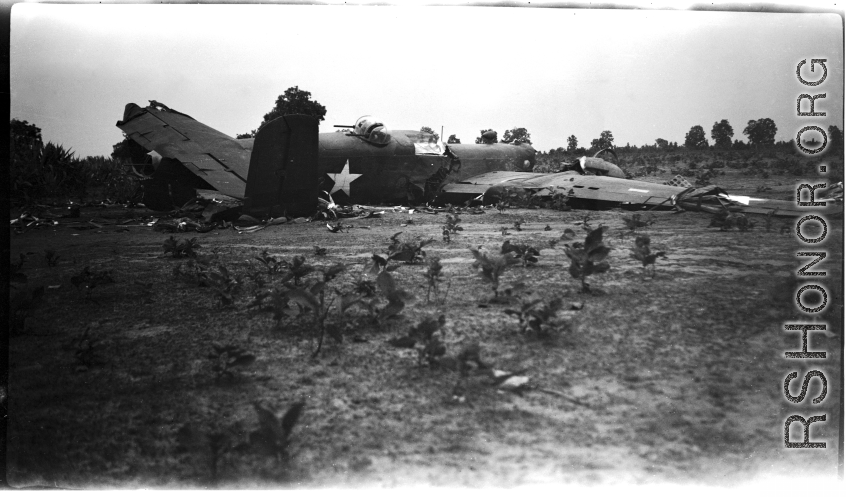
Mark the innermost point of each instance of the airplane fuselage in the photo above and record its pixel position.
(353, 170)
(368, 164)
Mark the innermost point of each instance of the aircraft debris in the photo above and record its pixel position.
(284, 167)
(594, 191)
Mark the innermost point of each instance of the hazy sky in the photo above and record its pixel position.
(641, 74)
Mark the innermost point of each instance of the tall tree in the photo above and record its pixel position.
(427, 129)
(761, 131)
(293, 101)
(661, 143)
(24, 136)
(25, 147)
(606, 140)
(572, 143)
(452, 139)
(516, 136)
(722, 133)
(129, 151)
(696, 138)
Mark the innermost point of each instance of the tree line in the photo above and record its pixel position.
(759, 132)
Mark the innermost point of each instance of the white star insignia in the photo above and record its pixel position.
(343, 179)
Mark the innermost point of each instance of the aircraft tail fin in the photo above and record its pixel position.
(283, 175)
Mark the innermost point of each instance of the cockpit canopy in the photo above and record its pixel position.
(372, 130)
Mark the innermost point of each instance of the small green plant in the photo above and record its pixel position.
(378, 264)
(214, 443)
(272, 300)
(526, 254)
(297, 269)
(306, 298)
(396, 296)
(273, 438)
(587, 258)
(634, 222)
(504, 231)
(257, 277)
(182, 248)
(432, 348)
(271, 263)
(641, 252)
(518, 224)
(361, 296)
(226, 357)
(434, 278)
(586, 223)
(224, 284)
(548, 228)
(535, 314)
(451, 225)
(365, 288)
(313, 299)
(423, 337)
(492, 267)
(320, 251)
(51, 257)
(408, 252)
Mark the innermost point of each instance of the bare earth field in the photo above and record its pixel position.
(678, 378)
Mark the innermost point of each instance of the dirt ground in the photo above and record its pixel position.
(675, 378)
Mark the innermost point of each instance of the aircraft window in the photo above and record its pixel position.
(379, 135)
(425, 144)
(372, 130)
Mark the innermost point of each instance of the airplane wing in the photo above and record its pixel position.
(570, 183)
(218, 159)
(709, 198)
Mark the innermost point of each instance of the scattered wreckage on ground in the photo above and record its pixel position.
(284, 170)
(607, 187)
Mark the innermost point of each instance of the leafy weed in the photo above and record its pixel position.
(587, 258)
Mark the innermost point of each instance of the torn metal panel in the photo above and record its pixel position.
(216, 158)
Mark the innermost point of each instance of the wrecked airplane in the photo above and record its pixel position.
(288, 163)
(593, 183)
(283, 169)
